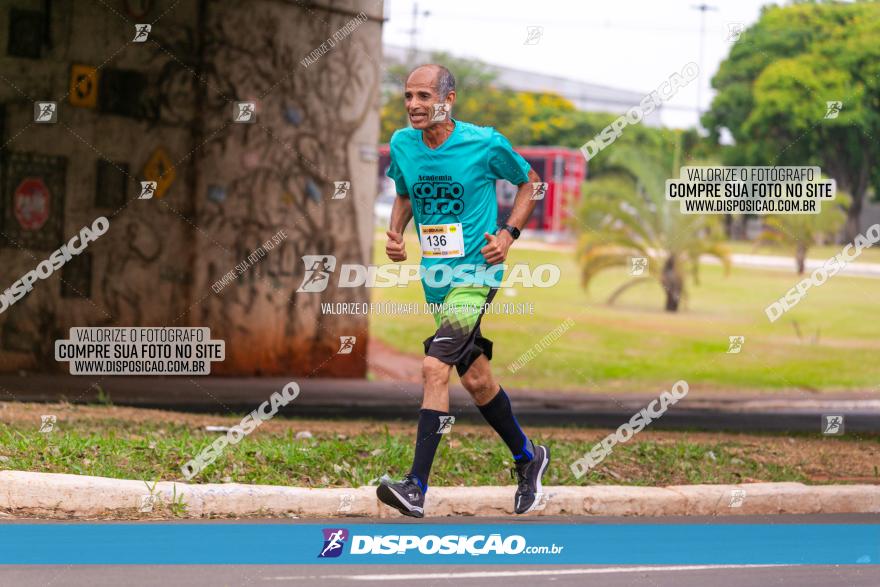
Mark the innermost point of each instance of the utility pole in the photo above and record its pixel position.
(413, 32)
(703, 8)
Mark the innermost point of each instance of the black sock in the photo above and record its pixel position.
(499, 414)
(427, 441)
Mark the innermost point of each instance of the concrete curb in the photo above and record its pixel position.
(25, 493)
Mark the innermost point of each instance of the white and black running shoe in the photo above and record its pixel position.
(529, 492)
(405, 496)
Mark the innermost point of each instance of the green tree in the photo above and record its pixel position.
(774, 89)
(473, 79)
(525, 118)
(624, 214)
(801, 231)
(529, 118)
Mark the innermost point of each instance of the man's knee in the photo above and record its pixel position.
(477, 381)
(434, 369)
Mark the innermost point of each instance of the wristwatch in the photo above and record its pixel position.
(514, 231)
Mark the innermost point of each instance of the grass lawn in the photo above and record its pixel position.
(151, 445)
(636, 346)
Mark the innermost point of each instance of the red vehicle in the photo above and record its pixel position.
(563, 169)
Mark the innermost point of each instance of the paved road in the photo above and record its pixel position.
(467, 575)
(357, 398)
(425, 576)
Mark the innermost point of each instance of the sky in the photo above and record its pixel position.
(628, 44)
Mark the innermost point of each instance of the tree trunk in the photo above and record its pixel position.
(859, 187)
(800, 257)
(851, 228)
(672, 284)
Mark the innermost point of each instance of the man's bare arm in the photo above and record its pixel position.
(496, 247)
(401, 214)
(524, 205)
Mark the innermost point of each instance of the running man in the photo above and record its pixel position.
(320, 270)
(346, 345)
(334, 542)
(444, 171)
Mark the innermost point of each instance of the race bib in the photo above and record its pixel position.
(442, 240)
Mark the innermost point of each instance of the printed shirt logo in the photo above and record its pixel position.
(438, 194)
(334, 541)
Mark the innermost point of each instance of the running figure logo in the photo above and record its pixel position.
(245, 112)
(832, 425)
(736, 344)
(334, 541)
(346, 345)
(47, 423)
(345, 501)
(141, 32)
(146, 503)
(833, 108)
(533, 35)
(639, 264)
(539, 190)
(441, 112)
(446, 423)
(318, 270)
(735, 30)
(737, 497)
(341, 189)
(148, 188)
(45, 112)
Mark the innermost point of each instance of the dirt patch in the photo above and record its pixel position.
(71, 414)
(387, 364)
(851, 458)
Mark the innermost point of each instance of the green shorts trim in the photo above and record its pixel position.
(457, 340)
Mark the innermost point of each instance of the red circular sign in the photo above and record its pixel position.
(31, 203)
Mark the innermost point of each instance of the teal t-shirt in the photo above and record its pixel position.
(449, 186)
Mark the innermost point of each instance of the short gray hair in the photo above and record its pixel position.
(443, 83)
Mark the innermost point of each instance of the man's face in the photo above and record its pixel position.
(419, 97)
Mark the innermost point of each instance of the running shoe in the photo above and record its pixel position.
(405, 496)
(529, 492)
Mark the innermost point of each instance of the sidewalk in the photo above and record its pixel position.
(57, 495)
(357, 398)
(777, 263)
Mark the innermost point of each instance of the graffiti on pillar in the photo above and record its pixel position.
(131, 264)
(33, 327)
(277, 173)
(306, 118)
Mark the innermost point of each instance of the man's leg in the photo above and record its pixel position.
(435, 405)
(494, 405)
(530, 460)
(408, 495)
(452, 344)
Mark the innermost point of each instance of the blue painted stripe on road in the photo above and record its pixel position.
(629, 544)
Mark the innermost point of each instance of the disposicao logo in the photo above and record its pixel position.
(334, 541)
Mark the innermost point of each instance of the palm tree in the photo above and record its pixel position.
(624, 214)
(801, 231)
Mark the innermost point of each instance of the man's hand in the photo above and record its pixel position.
(394, 247)
(496, 247)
